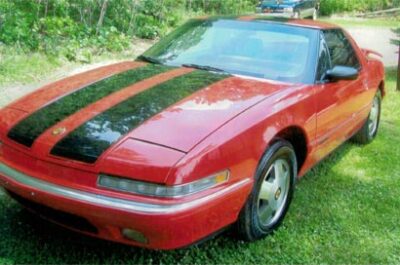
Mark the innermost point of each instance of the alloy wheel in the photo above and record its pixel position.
(273, 192)
(373, 117)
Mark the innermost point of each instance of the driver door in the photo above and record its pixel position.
(336, 101)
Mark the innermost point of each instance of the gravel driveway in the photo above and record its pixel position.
(377, 39)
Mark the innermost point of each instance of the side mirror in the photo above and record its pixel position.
(342, 73)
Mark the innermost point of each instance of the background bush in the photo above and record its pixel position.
(66, 27)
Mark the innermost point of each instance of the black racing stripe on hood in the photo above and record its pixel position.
(90, 140)
(29, 129)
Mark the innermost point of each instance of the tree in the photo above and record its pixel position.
(397, 42)
(102, 14)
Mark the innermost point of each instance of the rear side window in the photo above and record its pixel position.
(340, 49)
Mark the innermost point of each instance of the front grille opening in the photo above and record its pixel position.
(67, 219)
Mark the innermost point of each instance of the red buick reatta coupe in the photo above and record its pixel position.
(211, 127)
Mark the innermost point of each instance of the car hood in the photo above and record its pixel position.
(171, 108)
(192, 119)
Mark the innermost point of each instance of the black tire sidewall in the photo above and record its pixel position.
(371, 137)
(363, 136)
(280, 149)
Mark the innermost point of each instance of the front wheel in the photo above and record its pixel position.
(370, 128)
(272, 193)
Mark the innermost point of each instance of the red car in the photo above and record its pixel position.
(210, 127)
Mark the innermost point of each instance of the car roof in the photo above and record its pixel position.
(305, 23)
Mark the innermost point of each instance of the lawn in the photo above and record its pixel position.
(389, 22)
(346, 210)
(18, 67)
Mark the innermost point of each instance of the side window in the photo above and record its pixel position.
(324, 62)
(340, 49)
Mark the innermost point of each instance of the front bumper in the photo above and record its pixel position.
(165, 224)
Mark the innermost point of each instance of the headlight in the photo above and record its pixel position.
(288, 9)
(150, 189)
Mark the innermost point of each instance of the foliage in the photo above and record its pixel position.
(66, 27)
(81, 29)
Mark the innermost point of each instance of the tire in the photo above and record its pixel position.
(369, 130)
(257, 218)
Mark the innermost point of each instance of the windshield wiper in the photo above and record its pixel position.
(205, 67)
(150, 59)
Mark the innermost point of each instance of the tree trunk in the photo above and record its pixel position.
(398, 72)
(161, 14)
(102, 14)
(131, 19)
(39, 6)
(190, 6)
(46, 8)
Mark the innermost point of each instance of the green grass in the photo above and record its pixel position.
(346, 210)
(25, 68)
(364, 22)
(19, 68)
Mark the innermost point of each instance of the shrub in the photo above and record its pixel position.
(67, 27)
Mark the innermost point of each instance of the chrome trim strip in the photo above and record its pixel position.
(110, 202)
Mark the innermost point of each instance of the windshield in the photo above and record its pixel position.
(256, 49)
